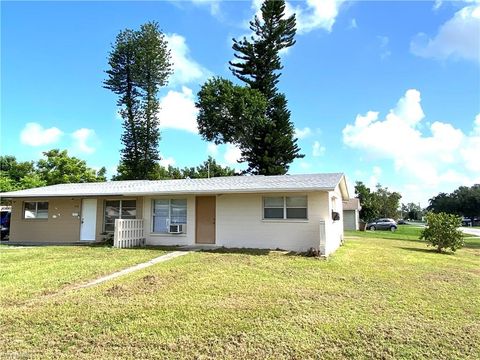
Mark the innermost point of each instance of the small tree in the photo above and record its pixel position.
(442, 231)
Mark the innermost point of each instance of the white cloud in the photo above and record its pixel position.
(34, 134)
(232, 154)
(375, 177)
(185, 69)
(178, 111)
(458, 38)
(312, 15)
(317, 149)
(444, 155)
(166, 162)
(437, 4)
(212, 149)
(213, 5)
(303, 133)
(80, 138)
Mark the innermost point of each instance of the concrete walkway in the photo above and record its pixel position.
(131, 269)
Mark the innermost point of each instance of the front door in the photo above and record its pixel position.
(205, 220)
(89, 220)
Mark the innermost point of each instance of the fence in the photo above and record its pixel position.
(128, 233)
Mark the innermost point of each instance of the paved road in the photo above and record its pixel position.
(471, 231)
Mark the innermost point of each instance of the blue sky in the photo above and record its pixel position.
(386, 92)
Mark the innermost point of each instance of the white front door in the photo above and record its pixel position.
(89, 220)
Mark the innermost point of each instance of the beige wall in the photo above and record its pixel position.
(61, 226)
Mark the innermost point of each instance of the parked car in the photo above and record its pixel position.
(382, 224)
(401, 222)
(5, 224)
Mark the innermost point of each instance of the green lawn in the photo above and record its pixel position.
(374, 298)
(26, 272)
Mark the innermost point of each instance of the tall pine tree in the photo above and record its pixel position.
(139, 65)
(258, 65)
(254, 117)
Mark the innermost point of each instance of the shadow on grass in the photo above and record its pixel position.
(249, 251)
(427, 251)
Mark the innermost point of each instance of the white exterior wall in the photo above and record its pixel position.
(334, 229)
(188, 238)
(240, 223)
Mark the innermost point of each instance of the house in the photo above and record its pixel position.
(291, 212)
(351, 214)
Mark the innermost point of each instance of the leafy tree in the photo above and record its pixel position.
(411, 211)
(139, 66)
(442, 231)
(209, 168)
(16, 175)
(60, 168)
(368, 201)
(378, 203)
(256, 117)
(463, 201)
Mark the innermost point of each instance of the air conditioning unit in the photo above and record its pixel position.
(175, 229)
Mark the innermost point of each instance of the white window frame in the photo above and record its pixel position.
(152, 217)
(36, 210)
(285, 218)
(119, 211)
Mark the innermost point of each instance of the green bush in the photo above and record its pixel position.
(442, 231)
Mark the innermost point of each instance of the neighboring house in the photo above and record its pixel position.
(291, 212)
(351, 214)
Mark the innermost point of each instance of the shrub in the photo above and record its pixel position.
(442, 231)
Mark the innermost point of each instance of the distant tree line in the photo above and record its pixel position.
(57, 167)
(412, 211)
(377, 203)
(464, 201)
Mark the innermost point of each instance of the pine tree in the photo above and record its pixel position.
(139, 67)
(274, 146)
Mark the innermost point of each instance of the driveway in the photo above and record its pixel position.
(471, 231)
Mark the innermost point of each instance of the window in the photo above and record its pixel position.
(168, 212)
(119, 209)
(285, 207)
(35, 210)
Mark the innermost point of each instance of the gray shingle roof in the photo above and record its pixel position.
(219, 185)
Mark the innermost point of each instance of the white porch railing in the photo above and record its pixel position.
(128, 233)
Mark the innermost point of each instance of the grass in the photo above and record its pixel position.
(381, 295)
(26, 272)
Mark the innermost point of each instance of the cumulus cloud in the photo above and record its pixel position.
(303, 133)
(166, 162)
(213, 5)
(232, 154)
(81, 137)
(212, 149)
(178, 111)
(311, 15)
(445, 155)
(34, 134)
(185, 68)
(458, 38)
(317, 149)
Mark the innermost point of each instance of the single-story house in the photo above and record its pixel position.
(291, 212)
(351, 214)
